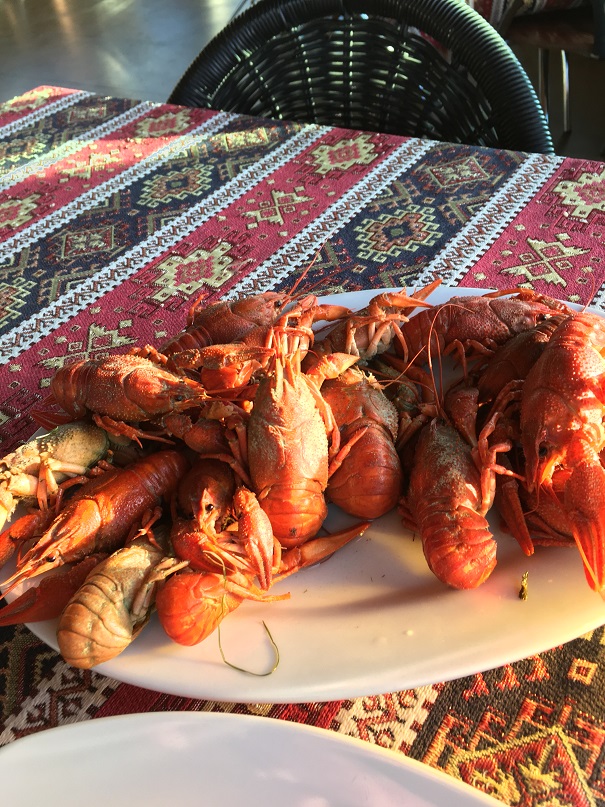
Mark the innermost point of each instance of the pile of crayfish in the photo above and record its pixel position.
(187, 479)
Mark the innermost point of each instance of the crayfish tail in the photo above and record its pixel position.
(47, 415)
(460, 551)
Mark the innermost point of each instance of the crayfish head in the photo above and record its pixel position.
(548, 428)
(150, 391)
(261, 309)
(551, 457)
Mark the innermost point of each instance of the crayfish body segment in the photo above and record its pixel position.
(112, 606)
(288, 454)
(365, 476)
(475, 324)
(124, 388)
(562, 426)
(191, 605)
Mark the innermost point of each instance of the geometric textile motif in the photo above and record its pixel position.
(523, 732)
(176, 184)
(584, 194)
(201, 255)
(186, 274)
(460, 171)
(556, 243)
(403, 228)
(39, 691)
(20, 112)
(42, 136)
(547, 261)
(105, 232)
(388, 235)
(345, 154)
(15, 150)
(29, 101)
(13, 297)
(520, 732)
(15, 212)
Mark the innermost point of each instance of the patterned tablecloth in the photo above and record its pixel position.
(115, 213)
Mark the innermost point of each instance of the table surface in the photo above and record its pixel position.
(114, 213)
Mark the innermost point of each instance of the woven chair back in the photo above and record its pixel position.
(428, 68)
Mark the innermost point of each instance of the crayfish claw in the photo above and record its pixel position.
(317, 550)
(585, 505)
(50, 596)
(26, 571)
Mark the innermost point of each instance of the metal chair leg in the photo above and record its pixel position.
(565, 87)
(543, 64)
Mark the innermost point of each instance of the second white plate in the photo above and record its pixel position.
(218, 760)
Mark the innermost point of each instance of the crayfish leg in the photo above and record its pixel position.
(511, 512)
(119, 429)
(254, 528)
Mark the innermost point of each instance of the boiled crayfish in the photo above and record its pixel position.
(268, 421)
(100, 515)
(35, 469)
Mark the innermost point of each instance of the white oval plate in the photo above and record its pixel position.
(371, 619)
(218, 760)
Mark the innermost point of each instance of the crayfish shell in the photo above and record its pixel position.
(100, 620)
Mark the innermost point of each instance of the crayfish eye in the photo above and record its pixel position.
(543, 451)
(50, 558)
(209, 508)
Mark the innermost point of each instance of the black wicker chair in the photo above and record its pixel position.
(429, 68)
